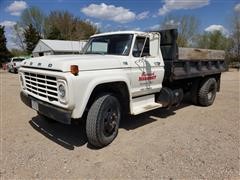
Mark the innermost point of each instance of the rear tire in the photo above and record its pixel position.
(103, 120)
(207, 92)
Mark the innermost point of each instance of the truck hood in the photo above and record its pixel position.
(84, 62)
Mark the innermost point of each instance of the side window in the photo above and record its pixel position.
(138, 46)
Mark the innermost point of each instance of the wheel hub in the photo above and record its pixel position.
(110, 122)
(210, 93)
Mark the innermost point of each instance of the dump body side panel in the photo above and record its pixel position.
(186, 63)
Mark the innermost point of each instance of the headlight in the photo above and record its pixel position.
(62, 90)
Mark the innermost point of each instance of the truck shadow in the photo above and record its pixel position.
(74, 135)
(134, 122)
(68, 136)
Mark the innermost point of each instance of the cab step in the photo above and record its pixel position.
(144, 104)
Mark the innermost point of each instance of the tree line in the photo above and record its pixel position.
(34, 25)
(62, 25)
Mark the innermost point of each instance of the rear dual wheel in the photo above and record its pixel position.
(206, 93)
(103, 120)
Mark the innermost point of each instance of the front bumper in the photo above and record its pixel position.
(48, 110)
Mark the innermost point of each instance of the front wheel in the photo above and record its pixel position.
(103, 120)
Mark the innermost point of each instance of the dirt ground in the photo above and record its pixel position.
(187, 142)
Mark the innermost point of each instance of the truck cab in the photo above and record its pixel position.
(118, 73)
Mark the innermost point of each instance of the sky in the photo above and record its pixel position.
(126, 14)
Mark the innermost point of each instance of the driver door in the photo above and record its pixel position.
(146, 68)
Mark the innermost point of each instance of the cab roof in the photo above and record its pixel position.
(118, 32)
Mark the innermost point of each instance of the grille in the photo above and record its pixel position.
(42, 85)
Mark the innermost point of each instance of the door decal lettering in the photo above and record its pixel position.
(147, 76)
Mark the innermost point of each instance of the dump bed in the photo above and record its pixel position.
(182, 63)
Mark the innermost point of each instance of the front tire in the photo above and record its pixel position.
(207, 92)
(103, 120)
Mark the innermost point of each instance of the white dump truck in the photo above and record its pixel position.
(119, 73)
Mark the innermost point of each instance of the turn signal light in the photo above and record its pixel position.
(74, 70)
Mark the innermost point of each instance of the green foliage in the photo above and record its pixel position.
(4, 53)
(213, 40)
(31, 38)
(54, 33)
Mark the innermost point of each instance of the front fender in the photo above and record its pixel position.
(87, 82)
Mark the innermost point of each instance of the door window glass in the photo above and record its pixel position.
(138, 46)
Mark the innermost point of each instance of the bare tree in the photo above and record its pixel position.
(187, 28)
(18, 37)
(235, 36)
(63, 21)
(84, 29)
(64, 25)
(34, 16)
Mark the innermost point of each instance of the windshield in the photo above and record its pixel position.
(118, 44)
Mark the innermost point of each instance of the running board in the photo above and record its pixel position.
(144, 104)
